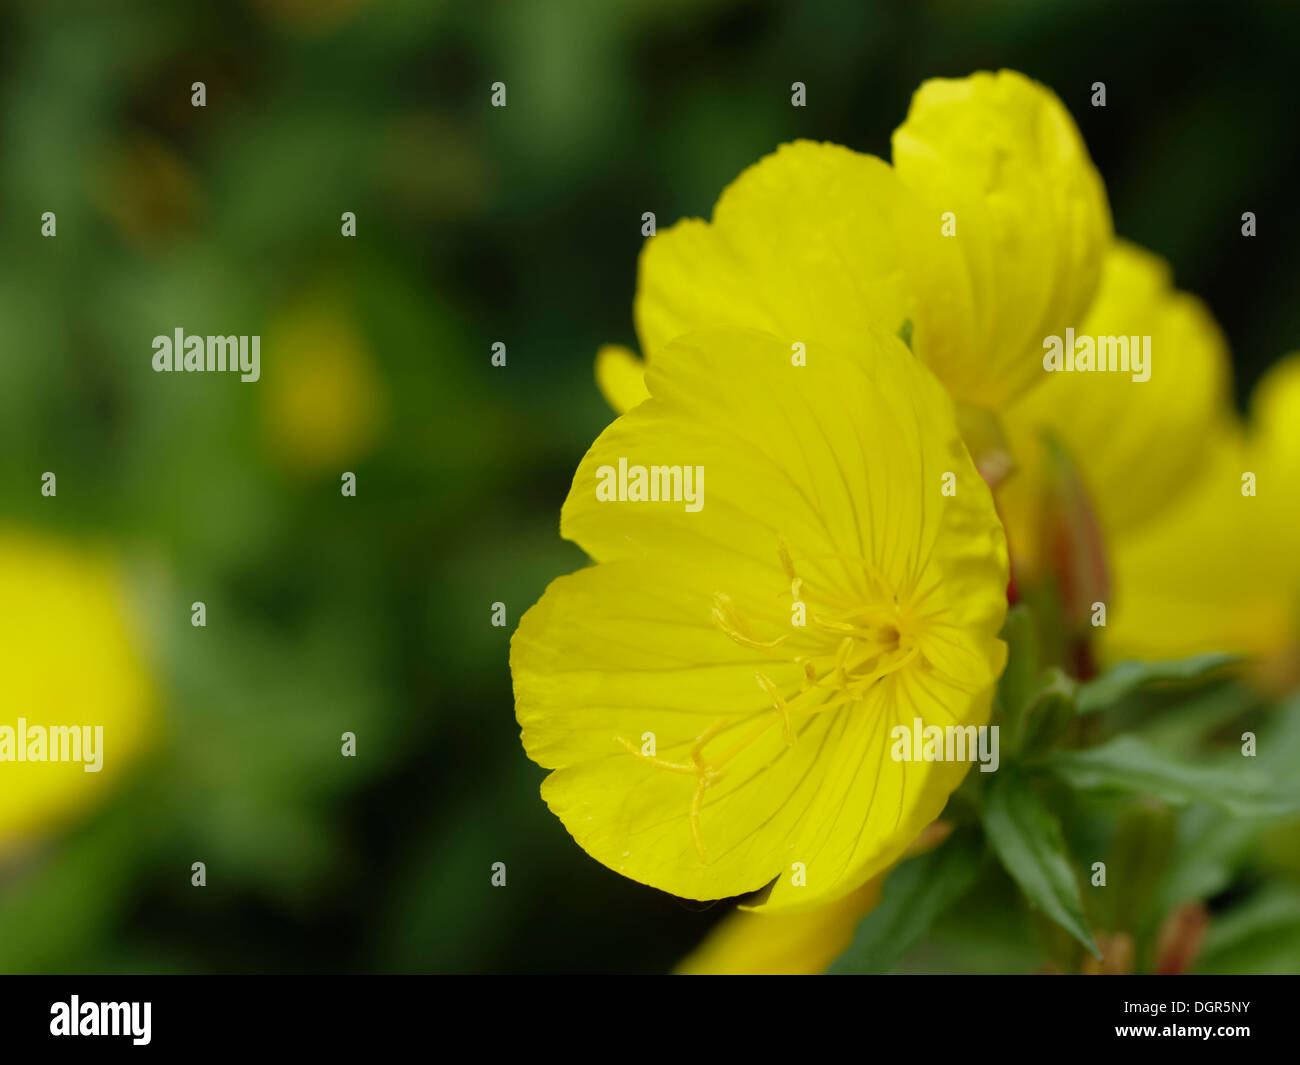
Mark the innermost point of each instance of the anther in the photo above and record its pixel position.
(787, 563)
(724, 616)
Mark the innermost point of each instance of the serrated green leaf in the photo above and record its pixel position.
(913, 897)
(1127, 763)
(1127, 677)
(1027, 838)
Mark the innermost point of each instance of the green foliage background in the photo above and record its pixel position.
(477, 225)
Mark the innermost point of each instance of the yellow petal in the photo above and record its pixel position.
(1220, 571)
(804, 243)
(324, 402)
(70, 657)
(620, 376)
(833, 471)
(1001, 154)
(816, 454)
(816, 240)
(1275, 421)
(1138, 445)
(804, 943)
(801, 943)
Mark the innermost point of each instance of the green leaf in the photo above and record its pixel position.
(1048, 713)
(1129, 764)
(1017, 682)
(913, 897)
(1037, 704)
(1260, 936)
(1127, 677)
(1137, 859)
(1209, 851)
(1027, 838)
(1182, 722)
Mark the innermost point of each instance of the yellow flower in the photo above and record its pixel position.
(987, 233)
(700, 739)
(1220, 571)
(802, 943)
(817, 241)
(1003, 155)
(69, 656)
(620, 376)
(325, 404)
(1137, 445)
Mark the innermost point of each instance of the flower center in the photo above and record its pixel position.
(843, 649)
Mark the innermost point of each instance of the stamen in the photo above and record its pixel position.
(833, 703)
(707, 772)
(836, 626)
(745, 741)
(875, 640)
(841, 660)
(675, 767)
(766, 684)
(697, 833)
(787, 563)
(863, 683)
(697, 749)
(724, 616)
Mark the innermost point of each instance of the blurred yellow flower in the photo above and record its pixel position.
(70, 656)
(715, 696)
(802, 943)
(1221, 570)
(1138, 447)
(324, 404)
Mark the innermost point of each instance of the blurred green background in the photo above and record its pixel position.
(474, 225)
